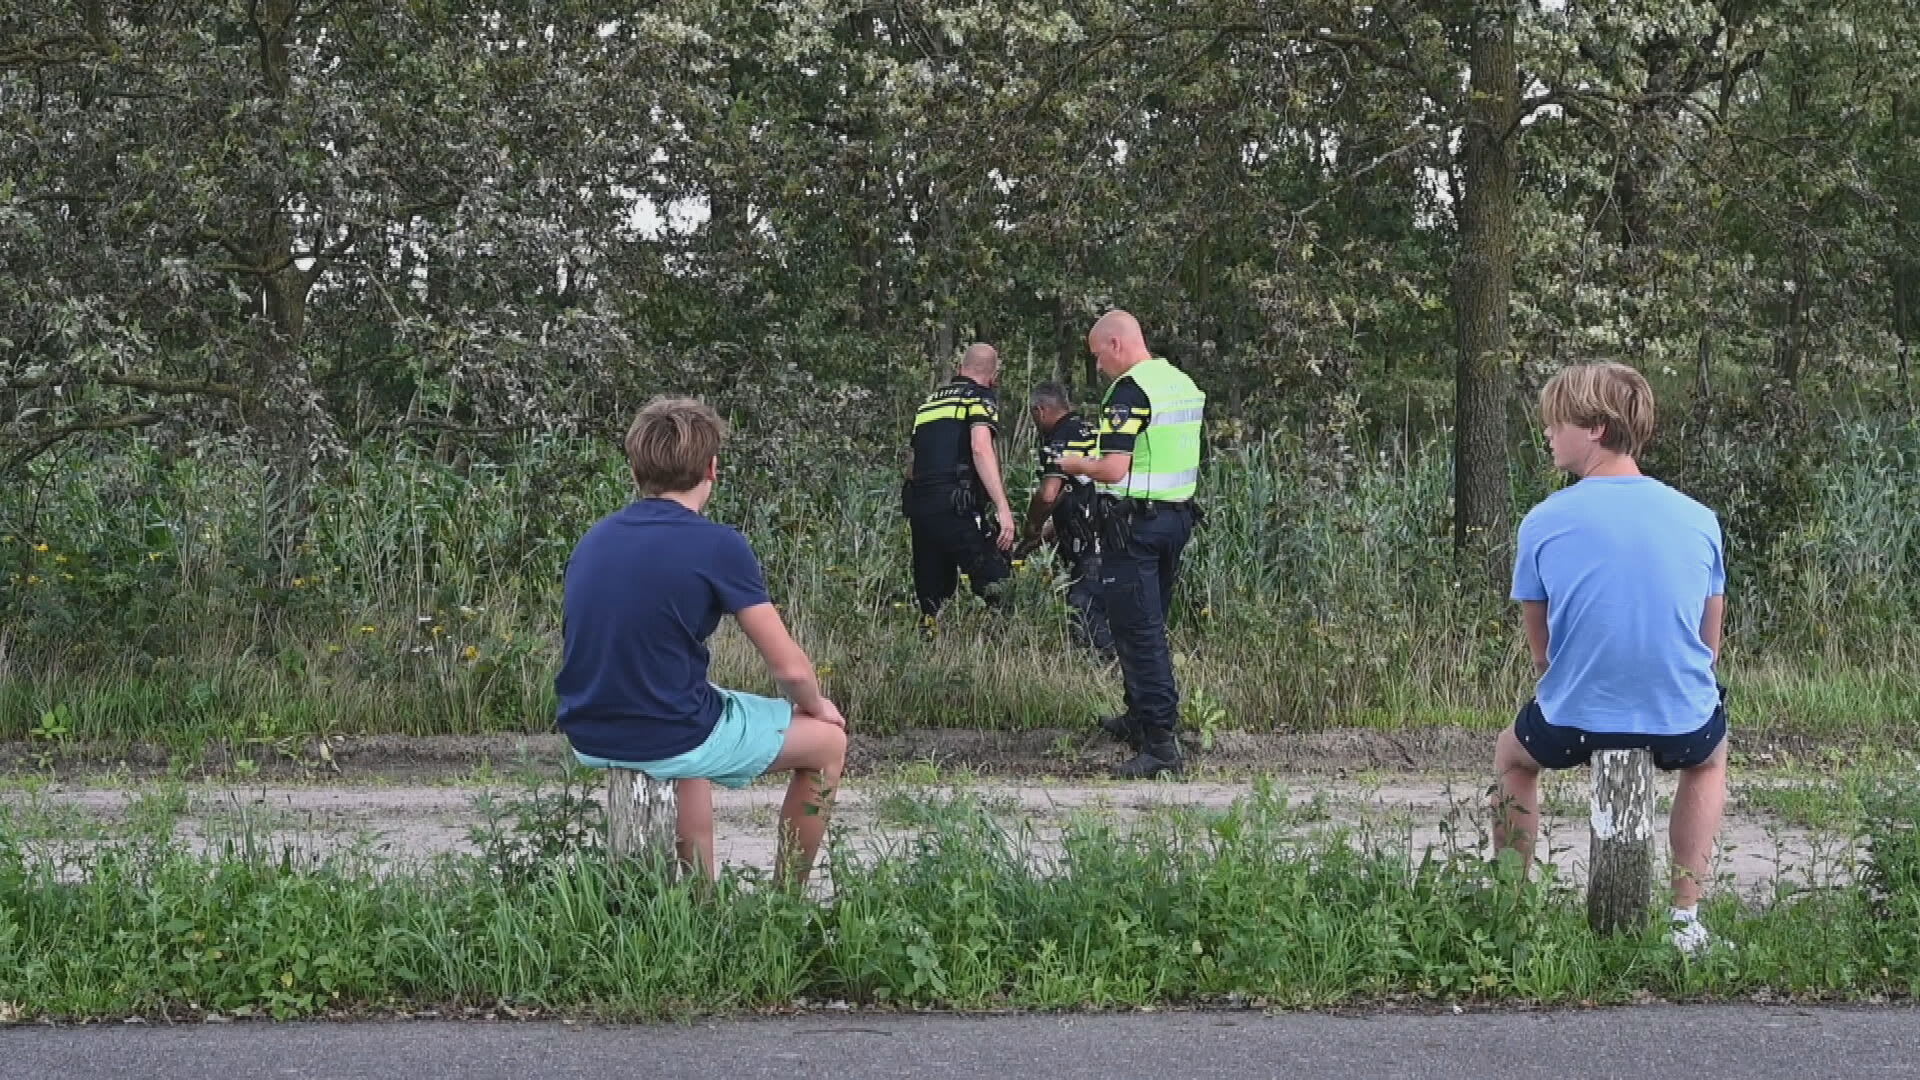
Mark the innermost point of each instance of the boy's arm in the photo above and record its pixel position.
(1712, 621)
(788, 662)
(1533, 615)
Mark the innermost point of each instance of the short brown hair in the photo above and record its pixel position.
(670, 443)
(1610, 396)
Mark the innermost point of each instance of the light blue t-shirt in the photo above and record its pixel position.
(1625, 565)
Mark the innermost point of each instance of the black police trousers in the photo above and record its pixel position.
(1090, 629)
(1136, 584)
(946, 541)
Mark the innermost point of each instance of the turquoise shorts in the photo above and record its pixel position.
(744, 743)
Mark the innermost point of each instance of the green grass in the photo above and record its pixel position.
(158, 600)
(1235, 906)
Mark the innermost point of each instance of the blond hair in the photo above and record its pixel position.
(670, 443)
(1610, 396)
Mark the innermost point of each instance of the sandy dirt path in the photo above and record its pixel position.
(403, 821)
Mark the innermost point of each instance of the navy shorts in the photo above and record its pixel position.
(1556, 747)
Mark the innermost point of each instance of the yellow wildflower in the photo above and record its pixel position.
(470, 654)
(60, 559)
(438, 629)
(368, 628)
(33, 579)
(153, 556)
(40, 547)
(299, 583)
(66, 577)
(333, 650)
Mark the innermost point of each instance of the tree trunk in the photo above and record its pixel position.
(1620, 859)
(641, 817)
(1705, 366)
(1906, 240)
(1790, 337)
(1483, 283)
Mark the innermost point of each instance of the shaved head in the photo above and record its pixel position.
(981, 362)
(1117, 343)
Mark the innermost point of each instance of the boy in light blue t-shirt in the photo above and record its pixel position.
(1621, 583)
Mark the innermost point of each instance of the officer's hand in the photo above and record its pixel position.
(1006, 535)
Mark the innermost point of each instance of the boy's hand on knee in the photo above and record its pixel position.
(828, 712)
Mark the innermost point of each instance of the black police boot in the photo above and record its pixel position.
(1159, 754)
(1124, 728)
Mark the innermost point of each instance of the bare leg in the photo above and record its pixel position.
(693, 829)
(1516, 802)
(1697, 808)
(815, 752)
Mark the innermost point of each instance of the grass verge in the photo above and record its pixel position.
(1228, 907)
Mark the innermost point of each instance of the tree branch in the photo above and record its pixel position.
(66, 431)
(130, 381)
(42, 53)
(1424, 137)
(324, 258)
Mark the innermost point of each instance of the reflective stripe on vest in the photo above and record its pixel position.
(1166, 456)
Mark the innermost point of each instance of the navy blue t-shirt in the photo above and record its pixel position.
(645, 589)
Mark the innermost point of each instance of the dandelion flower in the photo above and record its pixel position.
(33, 579)
(368, 628)
(470, 654)
(40, 547)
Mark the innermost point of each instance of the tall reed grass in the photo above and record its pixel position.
(146, 600)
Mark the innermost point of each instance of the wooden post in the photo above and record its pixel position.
(1620, 861)
(641, 814)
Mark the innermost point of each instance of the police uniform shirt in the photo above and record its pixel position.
(943, 429)
(1123, 417)
(1072, 436)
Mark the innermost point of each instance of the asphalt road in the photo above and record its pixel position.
(1649, 1042)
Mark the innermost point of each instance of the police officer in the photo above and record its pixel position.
(1061, 509)
(1146, 474)
(953, 482)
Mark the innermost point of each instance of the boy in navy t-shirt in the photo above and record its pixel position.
(645, 588)
(1621, 582)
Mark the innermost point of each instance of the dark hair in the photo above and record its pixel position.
(1050, 395)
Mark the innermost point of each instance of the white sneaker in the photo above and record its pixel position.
(1692, 937)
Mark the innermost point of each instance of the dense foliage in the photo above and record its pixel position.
(259, 258)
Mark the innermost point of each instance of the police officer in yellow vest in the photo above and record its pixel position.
(1147, 471)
